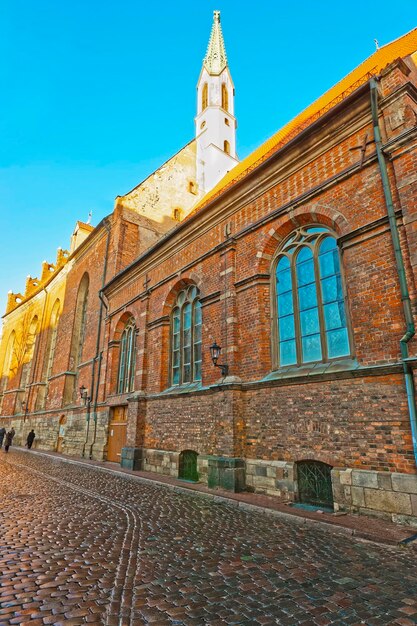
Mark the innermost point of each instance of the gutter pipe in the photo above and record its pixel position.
(399, 261)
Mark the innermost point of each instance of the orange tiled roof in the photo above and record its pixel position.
(401, 47)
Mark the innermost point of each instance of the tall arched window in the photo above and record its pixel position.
(77, 340)
(7, 366)
(310, 307)
(28, 341)
(127, 358)
(25, 357)
(53, 331)
(226, 146)
(186, 337)
(225, 97)
(204, 97)
(49, 355)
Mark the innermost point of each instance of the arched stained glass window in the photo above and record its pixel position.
(8, 360)
(29, 338)
(127, 359)
(310, 307)
(49, 355)
(186, 337)
(51, 347)
(77, 341)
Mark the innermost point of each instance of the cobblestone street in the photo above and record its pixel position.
(81, 545)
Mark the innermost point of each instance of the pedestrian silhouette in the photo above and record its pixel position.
(9, 439)
(2, 434)
(30, 438)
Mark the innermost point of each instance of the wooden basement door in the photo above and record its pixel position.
(117, 433)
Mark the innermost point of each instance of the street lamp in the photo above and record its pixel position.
(84, 395)
(215, 350)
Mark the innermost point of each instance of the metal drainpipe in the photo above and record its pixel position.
(405, 296)
(99, 354)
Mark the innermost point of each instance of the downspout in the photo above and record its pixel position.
(405, 296)
(99, 353)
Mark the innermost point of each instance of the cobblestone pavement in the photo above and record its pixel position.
(81, 545)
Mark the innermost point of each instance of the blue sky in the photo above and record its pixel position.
(97, 94)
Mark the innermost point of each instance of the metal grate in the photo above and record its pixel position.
(315, 483)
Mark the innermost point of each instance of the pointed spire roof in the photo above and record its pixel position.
(215, 60)
(399, 48)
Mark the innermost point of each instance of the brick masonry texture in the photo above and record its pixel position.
(350, 414)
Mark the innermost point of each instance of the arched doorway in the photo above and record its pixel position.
(187, 467)
(61, 433)
(315, 483)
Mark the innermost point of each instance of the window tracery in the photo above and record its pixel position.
(311, 322)
(127, 358)
(186, 337)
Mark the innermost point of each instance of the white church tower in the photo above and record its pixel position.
(215, 122)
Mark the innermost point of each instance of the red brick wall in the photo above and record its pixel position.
(331, 178)
(360, 422)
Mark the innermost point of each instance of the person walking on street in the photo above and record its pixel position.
(8, 440)
(30, 438)
(2, 434)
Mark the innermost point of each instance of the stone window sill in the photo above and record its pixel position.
(314, 369)
(187, 388)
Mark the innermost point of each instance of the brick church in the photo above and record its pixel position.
(250, 324)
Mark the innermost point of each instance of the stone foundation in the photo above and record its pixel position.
(273, 478)
(160, 462)
(76, 439)
(226, 473)
(388, 495)
(167, 462)
(132, 458)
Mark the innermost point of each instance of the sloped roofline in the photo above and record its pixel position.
(401, 47)
(194, 215)
(158, 168)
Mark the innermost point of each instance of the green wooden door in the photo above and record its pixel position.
(188, 465)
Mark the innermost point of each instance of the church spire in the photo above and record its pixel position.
(215, 123)
(215, 60)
